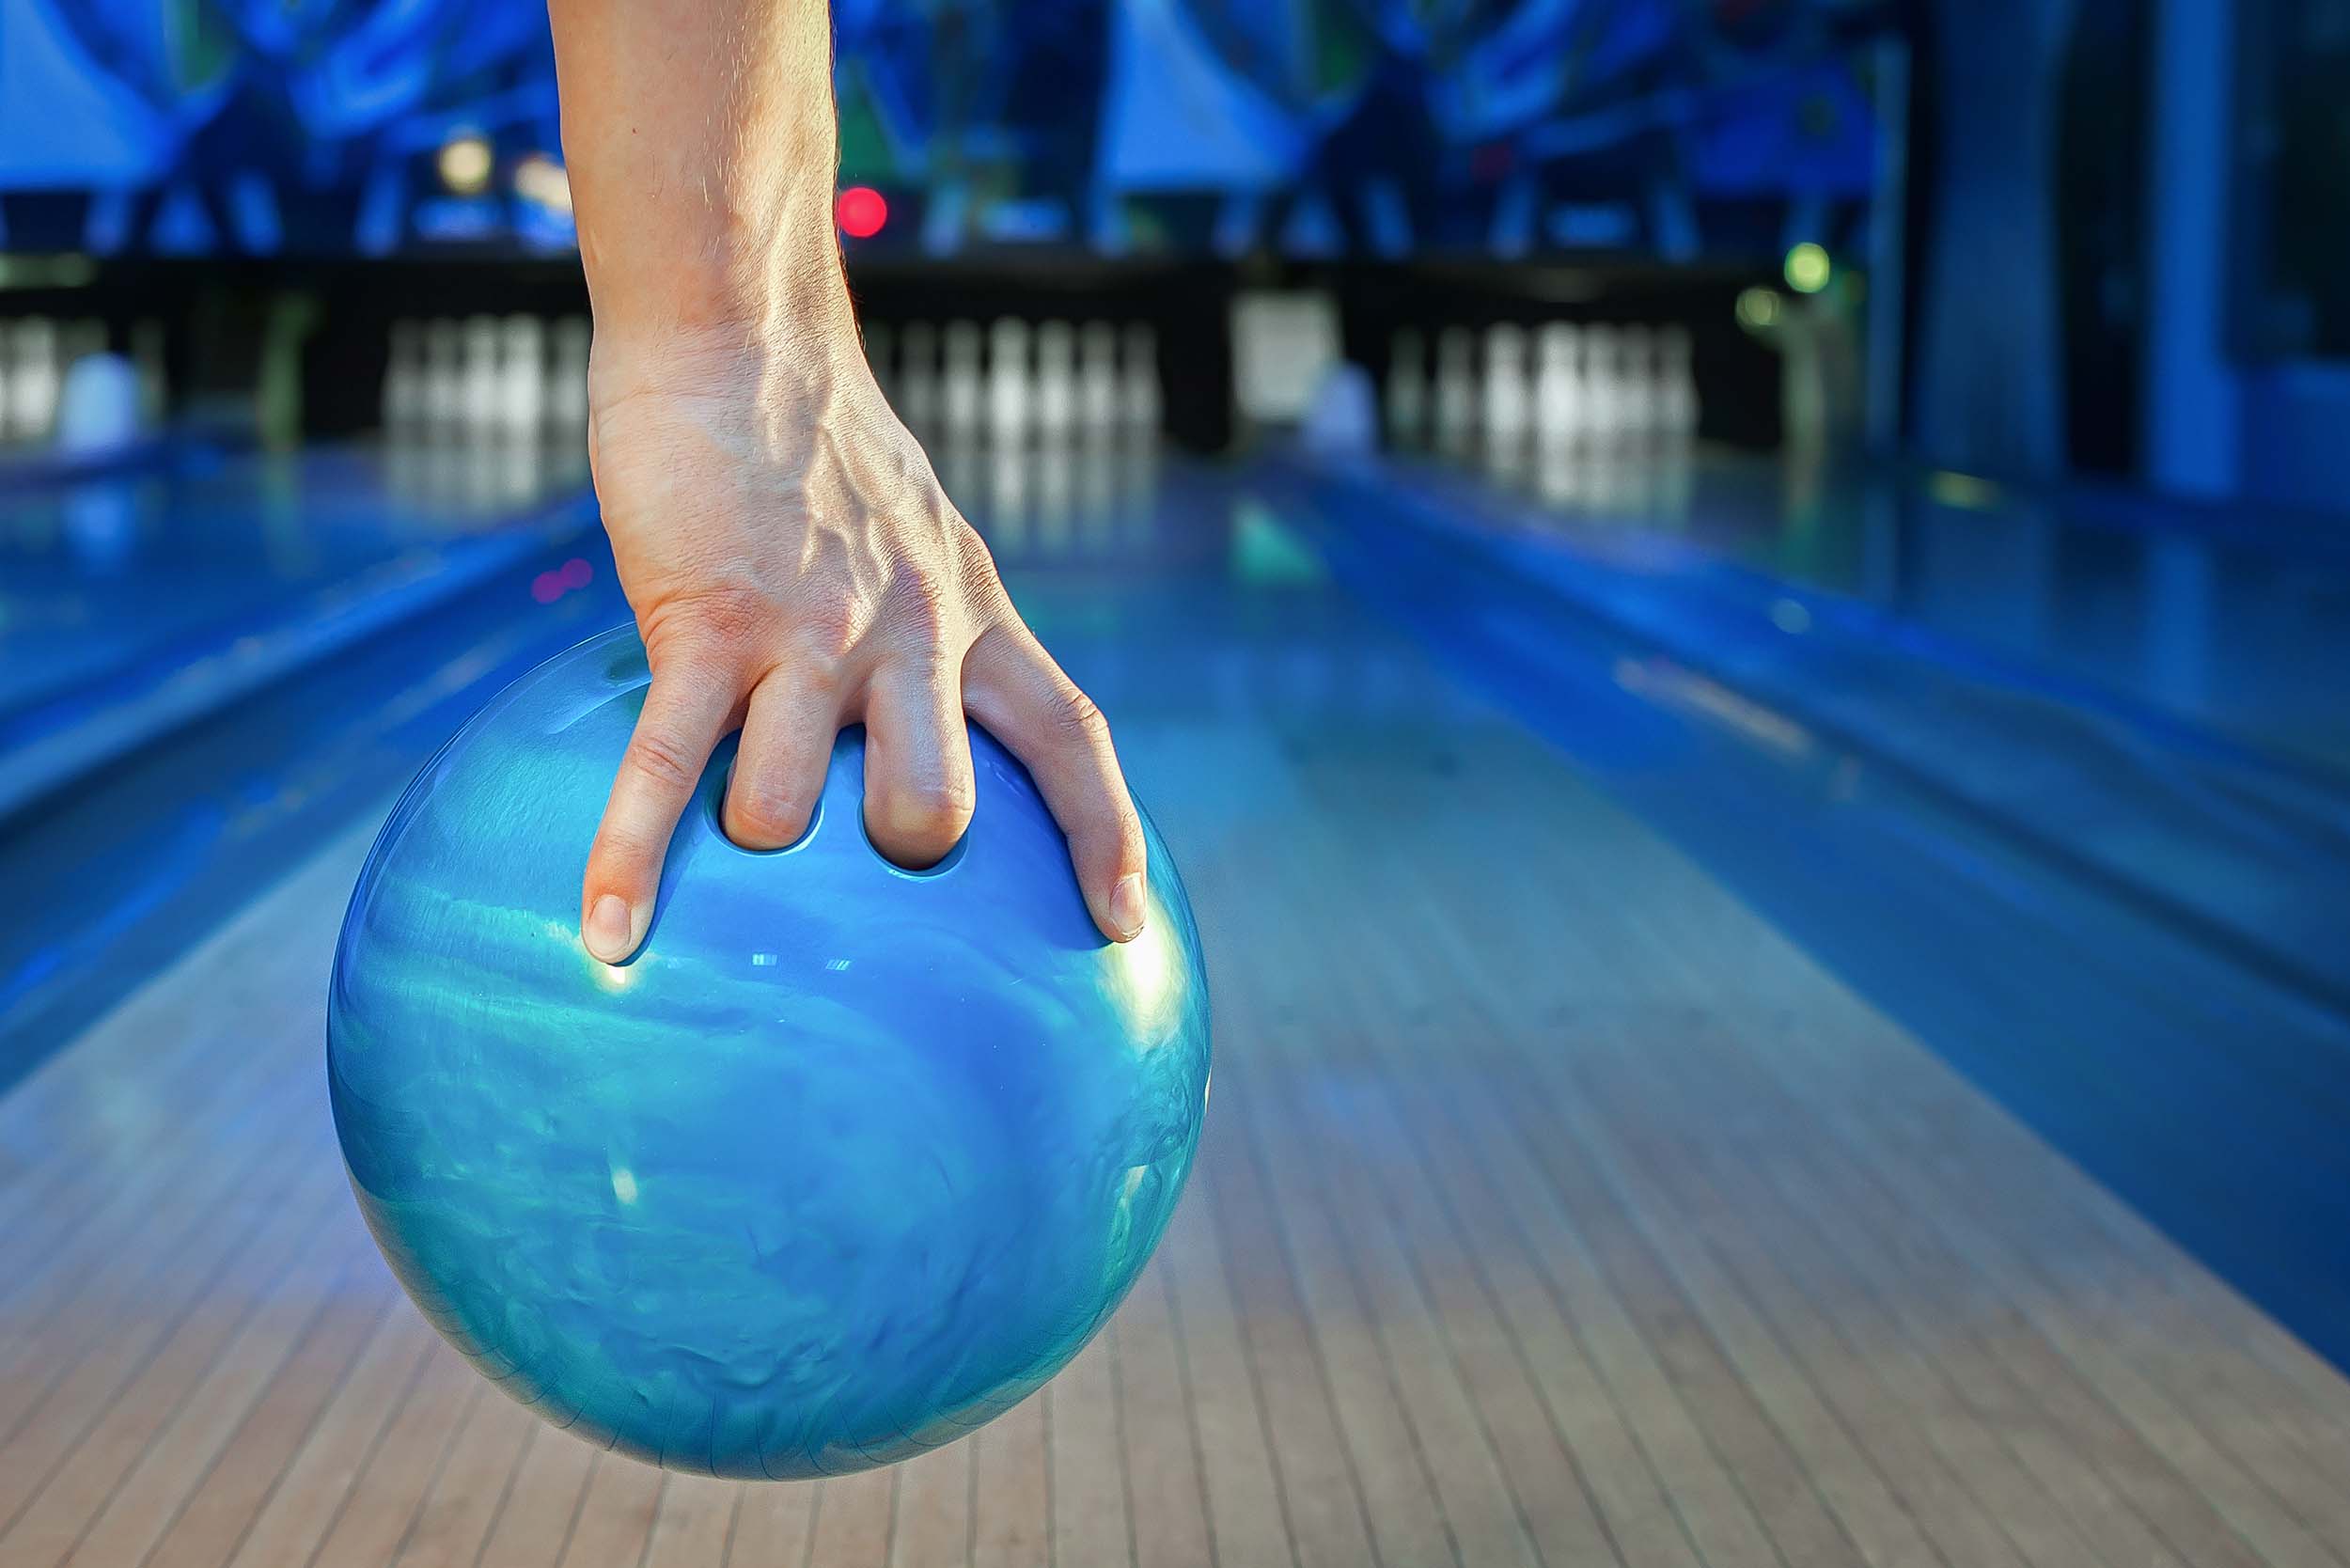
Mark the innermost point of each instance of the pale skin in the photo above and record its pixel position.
(791, 561)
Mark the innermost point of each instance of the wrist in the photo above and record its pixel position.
(789, 340)
(717, 367)
(725, 308)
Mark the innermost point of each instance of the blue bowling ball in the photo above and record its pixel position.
(845, 1162)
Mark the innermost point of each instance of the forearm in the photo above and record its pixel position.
(701, 143)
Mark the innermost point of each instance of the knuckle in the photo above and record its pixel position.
(622, 860)
(662, 762)
(817, 679)
(921, 610)
(714, 626)
(826, 635)
(932, 809)
(1078, 717)
(768, 817)
(982, 580)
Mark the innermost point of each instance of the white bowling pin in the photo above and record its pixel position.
(1603, 382)
(1456, 392)
(1138, 381)
(961, 393)
(1097, 377)
(522, 376)
(567, 377)
(918, 377)
(147, 352)
(1407, 392)
(443, 377)
(403, 382)
(35, 371)
(1558, 385)
(1505, 391)
(1637, 348)
(1010, 373)
(1678, 402)
(1055, 381)
(481, 377)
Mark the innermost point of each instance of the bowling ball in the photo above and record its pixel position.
(848, 1160)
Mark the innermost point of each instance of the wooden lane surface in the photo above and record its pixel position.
(1553, 1211)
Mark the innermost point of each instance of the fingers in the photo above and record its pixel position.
(918, 764)
(1013, 687)
(685, 711)
(779, 771)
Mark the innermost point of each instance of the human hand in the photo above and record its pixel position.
(795, 568)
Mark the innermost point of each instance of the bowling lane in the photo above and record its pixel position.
(110, 570)
(1555, 1208)
(223, 722)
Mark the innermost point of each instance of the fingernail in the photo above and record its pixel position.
(608, 928)
(1126, 906)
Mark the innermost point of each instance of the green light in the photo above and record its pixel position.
(1808, 267)
(1758, 308)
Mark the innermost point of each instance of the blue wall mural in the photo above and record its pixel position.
(1355, 127)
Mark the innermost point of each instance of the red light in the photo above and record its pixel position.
(860, 211)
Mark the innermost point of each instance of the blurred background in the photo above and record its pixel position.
(1884, 455)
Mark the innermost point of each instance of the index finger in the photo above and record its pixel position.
(686, 709)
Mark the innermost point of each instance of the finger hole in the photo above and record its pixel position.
(716, 807)
(772, 797)
(921, 790)
(937, 867)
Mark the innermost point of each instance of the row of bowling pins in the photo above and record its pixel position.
(1557, 383)
(1014, 381)
(485, 378)
(1040, 505)
(35, 354)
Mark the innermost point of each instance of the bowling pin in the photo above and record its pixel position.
(481, 380)
(34, 375)
(1139, 382)
(1456, 392)
(444, 378)
(1637, 348)
(962, 392)
(1505, 393)
(917, 378)
(1010, 371)
(522, 377)
(1558, 385)
(1406, 391)
(567, 376)
(1055, 381)
(1603, 386)
(148, 353)
(1097, 378)
(403, 382)
(8, 381)
(1678, 395)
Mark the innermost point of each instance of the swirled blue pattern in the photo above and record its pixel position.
(846, 1162)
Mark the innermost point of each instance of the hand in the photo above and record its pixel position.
(793, 567)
